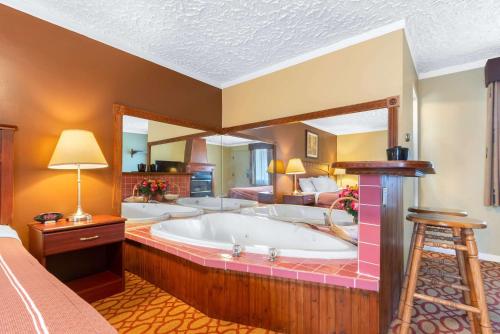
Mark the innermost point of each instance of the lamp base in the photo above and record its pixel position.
(80, 217)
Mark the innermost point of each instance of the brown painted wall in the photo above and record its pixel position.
(53, 79)
(290, 143)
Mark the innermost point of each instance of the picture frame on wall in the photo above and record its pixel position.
(312, 145)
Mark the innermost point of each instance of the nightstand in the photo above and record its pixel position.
(87, 257)
(300, 199)
(266, 197)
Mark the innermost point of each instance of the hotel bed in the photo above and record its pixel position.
(250, 193)
(324, 189)
(34, 301)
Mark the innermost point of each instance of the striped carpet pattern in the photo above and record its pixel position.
(144, 308)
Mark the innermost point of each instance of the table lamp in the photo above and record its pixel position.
(339, 172)
(280, 167)
(295, 167)
(77, 149)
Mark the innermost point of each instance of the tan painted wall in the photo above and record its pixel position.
(453, 122)
(236, 167)
(159, 131)
(359, 147)
(405, 125)
(364, 72)
(170, 151)
(214, 156)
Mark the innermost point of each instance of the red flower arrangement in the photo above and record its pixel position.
(152, 187)
(351, 206)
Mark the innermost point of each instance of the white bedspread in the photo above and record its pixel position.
(8, 232)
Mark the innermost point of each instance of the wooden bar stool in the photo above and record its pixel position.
(423, 210)
(463, 242)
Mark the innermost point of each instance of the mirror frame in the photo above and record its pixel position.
(120, 110)
(391, 103)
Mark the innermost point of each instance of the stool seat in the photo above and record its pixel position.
(439, 211)
(447, 221)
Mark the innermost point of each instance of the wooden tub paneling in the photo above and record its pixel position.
(286, 306)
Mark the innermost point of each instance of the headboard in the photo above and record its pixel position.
(313, 169)
(6, 173)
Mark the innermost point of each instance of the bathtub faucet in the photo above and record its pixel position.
(273, 254)
(236, 250)
(135, 191)
(327, 221)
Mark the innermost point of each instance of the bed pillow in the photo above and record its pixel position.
(324, 184)
(306, 185)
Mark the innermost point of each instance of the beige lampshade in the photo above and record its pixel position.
(280, 167)
(77, 148)
(339, 171)
(295, 166)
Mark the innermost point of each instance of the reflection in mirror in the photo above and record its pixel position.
(244, 173)
(301, 166)
(168, 164)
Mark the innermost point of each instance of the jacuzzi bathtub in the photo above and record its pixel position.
(213, 204)
(299, 214)
(255, 235)
(148, 212)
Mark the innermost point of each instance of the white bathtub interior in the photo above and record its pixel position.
(213, 204)
(299, 214)
(156, 211)
(256, 235)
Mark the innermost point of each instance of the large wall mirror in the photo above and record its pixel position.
(288, 161)
(305, 151)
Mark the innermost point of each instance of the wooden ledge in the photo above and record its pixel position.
(411, 168)
(8, 127)
(149, 174)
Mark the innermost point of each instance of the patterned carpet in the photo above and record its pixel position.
(144, 308)
(429, 318)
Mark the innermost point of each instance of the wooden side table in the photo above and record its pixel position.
(87, 257)
(266, 197)
(300, 199)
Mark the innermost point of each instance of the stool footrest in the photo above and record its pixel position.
(436, 281)
(445, 246)
(448, 303)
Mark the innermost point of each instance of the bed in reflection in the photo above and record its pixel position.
(250, 193)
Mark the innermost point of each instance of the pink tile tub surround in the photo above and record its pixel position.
(331, 272)
(370, 212)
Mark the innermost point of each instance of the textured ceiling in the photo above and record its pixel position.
(222, 42)
(366, 121)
